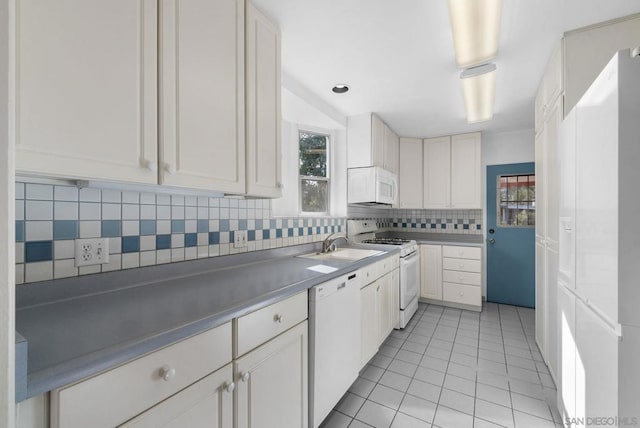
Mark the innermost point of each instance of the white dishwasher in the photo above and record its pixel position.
(334, 343)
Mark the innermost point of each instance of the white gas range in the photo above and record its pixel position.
(364, 232)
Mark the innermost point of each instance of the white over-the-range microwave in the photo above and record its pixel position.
(372, 186)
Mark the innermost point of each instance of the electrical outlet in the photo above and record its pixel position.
(92, 251)
(239, 239)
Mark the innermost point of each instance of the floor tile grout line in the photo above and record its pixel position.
(513, 415)
(423, 355)
(386, 369)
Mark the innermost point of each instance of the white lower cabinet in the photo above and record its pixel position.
(596, 365)
(272, 383)
(114, 397)
(207, 403)
(431, 272)
(451, 275)
(200, 382)
(379, 306)
(369, 296)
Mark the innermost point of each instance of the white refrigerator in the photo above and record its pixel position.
(599, 244)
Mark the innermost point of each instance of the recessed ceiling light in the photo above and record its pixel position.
(340, 89)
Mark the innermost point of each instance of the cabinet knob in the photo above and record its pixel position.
(229, 386)
(167, 372)
(461, 294)
(151, 165)
(279, 185)
(461, 265)
(245, 376)
(278, 318)
(169, 169)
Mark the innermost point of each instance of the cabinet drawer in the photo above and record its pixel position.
(256, 328)
(368, 274)
(474, 253)
(116, 396)
(469, 278)
(464, 265)
(384, 266)
(460, 293)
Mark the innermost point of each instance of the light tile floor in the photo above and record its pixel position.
(453, 368)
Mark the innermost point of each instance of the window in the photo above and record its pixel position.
(516, 200)
(314, 172)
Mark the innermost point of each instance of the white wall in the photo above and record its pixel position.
(498, 149)
(7, 231)
(301, 110)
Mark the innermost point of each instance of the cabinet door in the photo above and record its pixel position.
(541, 231)
(598, 194)
(86, 89)
(567, 349)
(410, 174)
(587, 52)
(567, 202)
(465, 171)
(264, 152)
(369, 322)
(391, 149)
(202, 135)
(552, 173)
(271, 386)
(541, 299)
(385, 314)
(207, 403)
(377, 141)
(437, 172)
(431, 272)
(395, 297)
(596, 365)
(552, 324)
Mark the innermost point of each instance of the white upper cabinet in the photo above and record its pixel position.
(437, 172)
(264, 151)
(377, 141)
(588, 50)
(391, 150)
(370, 142)
(202, 129)
(410, 175)
(86, 89)
(465, 171)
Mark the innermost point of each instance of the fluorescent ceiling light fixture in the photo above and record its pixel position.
(479, 88)
(476, 29)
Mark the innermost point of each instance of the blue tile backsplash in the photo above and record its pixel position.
(143, 228)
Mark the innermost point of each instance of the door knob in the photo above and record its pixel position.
(491, 241)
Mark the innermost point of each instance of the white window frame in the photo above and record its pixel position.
(329, 136)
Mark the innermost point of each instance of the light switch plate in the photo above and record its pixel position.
(92, 251)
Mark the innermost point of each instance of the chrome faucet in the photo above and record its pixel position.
(328, 243)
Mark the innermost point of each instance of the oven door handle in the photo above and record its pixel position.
(409, 257)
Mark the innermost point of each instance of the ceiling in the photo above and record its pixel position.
(397, 56)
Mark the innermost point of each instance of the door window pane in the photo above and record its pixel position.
(516, 196)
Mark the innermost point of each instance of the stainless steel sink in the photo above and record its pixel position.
(350, 254)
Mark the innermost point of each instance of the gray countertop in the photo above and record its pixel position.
(472, 240)
(81, 326)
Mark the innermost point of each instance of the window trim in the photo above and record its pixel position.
(327, 179)
(498, 219)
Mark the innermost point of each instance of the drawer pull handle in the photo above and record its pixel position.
(245, 376)
(167, 373)
(461, 294)
(278, 318)
(229, 386)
